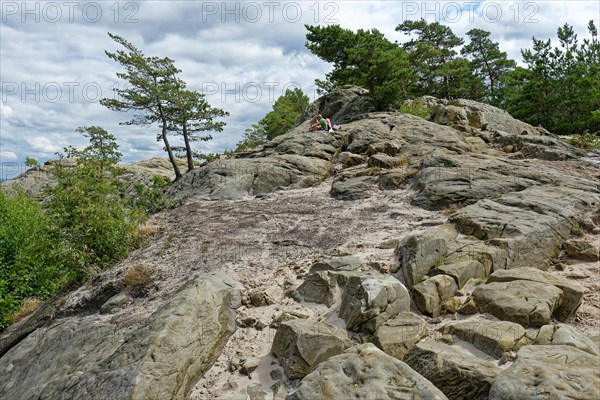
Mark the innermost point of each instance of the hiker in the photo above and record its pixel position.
(319, 125)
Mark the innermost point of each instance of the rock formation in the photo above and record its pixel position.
(354, 252)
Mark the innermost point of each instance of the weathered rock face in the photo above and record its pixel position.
(549, 372)
(302, 344)
(492, 337)
(572, 291)
(526, 303)
(162, 359)
(341, 105)
(429, 296)
(581, 250)
(458, 375)
(364, 372)
(563, 334)
(399, 334)
(370, 300)
(234, 178)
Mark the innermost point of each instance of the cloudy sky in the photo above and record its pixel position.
(243, 55)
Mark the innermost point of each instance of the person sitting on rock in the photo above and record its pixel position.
(319, 125)
(332, 128)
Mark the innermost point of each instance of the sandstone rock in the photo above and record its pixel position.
(468, 308)
(396, 178)
(382, 160)
(116, 301)
(370, 300)
(234, 178)
(162, 359)
(399, 334)
(417, 254)
(302, 344)
(492, 337)
(348, 159)
(364, 372)
(463, 271)
(549, 372)
(429, 296)
(353, 188)
(581, 250)
(341, 104)
(524, 302)
(563, 334)
(317, 287)
(458, 375)
(260, 298)
(572, 291)
(344, 263)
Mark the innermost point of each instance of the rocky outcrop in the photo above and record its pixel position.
(457, 374)
(162, 359)
(302, 344)
(364, 372)
(581, 250)
(35, 180)
(553, 372)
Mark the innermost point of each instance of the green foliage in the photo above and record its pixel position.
(488, 63)
(286, 111)
(586, 141)
(152, 198)
(89, 213)
(434, 59)
(415, 108)
(284, 116)
(560, 87)
(252, 138)
(365, 58)
(31, 162)
(30, 263)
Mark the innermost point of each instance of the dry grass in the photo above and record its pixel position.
(147, 229)
(28, 307)
(138, 277)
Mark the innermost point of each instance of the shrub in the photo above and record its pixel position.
(138, 277)
(152, 198)
(30, 264)
(585, 141)
(415, 108)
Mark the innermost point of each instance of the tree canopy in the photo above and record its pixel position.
(156, 95)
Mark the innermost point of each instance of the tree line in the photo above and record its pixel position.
(557, 88)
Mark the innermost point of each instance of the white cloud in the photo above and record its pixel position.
(7, 156)
(46, 58)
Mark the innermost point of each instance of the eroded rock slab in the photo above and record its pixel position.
(398, 335)
(549, 372)
(458, 375)
(524, 302)
(162, 359)
(365, 372)
(302, 344)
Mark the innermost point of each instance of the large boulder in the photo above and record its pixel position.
(302, 344)
(398, 335)
(341, 105)
(524, 302)
(430, 296)
(367, 373)
(581, 250)
(368, 300)
(457, 374)
(164, 358)
(572, 291)
(549, 372)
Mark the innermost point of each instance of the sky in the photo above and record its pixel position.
(241, 54)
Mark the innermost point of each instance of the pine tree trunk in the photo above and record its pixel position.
(188, 148)
(170, 152)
